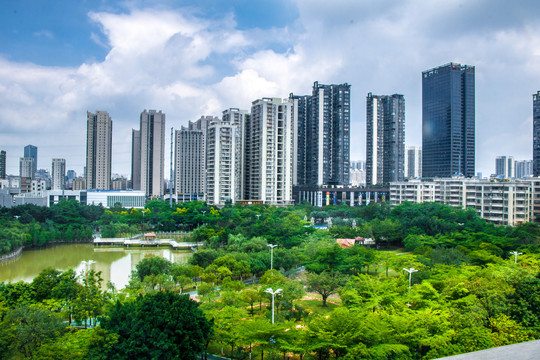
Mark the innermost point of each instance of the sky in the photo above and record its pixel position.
(59, 59)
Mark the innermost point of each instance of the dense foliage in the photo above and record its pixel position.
(467, 294)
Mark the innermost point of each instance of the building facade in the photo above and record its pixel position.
(188, 164)
(98, 150)
(385, 138)
(58, 174)
(31, 151)
(2, 164)
(202, 125)
(523, 168)
(152, 152)
(504, 167)
(322, 140)
(413, 162)
(26, 167)
(136, 159)
(268, 155)
(499, 202)
(448, 121)
(224, 157)
(536, 134)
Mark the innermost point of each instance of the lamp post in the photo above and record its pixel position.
(272, 255)
(270, 291)
(515, 253)
(410, 271)
(258, 216)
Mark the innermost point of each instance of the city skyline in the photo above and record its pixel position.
(98, 57)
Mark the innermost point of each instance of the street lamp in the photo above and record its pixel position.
(258, 216)
(410, 271)
(515, 253)
(273, 294)
(272, 255)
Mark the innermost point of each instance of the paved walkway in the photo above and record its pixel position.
(523, 351)
(143, 242)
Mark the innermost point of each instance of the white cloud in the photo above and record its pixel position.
(188, 66)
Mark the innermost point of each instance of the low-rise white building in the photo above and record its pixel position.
(500, 202)
(109, 198)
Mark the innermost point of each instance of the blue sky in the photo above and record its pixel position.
(190, 58)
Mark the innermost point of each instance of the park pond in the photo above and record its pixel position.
(115, 263)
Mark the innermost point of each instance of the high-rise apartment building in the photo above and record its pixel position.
(202, 124)
(98, 150)
(224, 157)
(322, 143)
(523, 168)
(152, 136)
(448, 121)
(504, 167)
(188, 164)
(385, 143)
(31, 151)
(536, 134)
(268, 156)
(26, 167)
(2, 164)
(413, 162)
(135, 159)
(58, 174)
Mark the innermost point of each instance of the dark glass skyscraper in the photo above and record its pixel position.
(536, 134)
(323, 135)
(448, 121)
(385, 142)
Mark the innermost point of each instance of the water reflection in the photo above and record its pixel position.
(115, 263)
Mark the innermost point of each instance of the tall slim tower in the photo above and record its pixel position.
(31, 151)
(98, 150)
(413, 162)
(536, 134)
(385, 145)
(58, 174)
(268, 158)
(135, 159)
(152, 152)
(448, 121)
(302, 147)
(2, 164)
(504, 166)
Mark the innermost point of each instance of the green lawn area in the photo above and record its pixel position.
(315, 306)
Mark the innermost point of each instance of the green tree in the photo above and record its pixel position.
(163, 325)
(325, 283)
(153, 265)
(28, 327)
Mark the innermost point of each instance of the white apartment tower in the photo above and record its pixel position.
(413, 162)
(268, 155)
(188, 165)
(98, 150)
(202, 125)
(152, 155)
(224, 157)
(58, 174)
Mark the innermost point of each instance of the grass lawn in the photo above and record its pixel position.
(315, 306)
